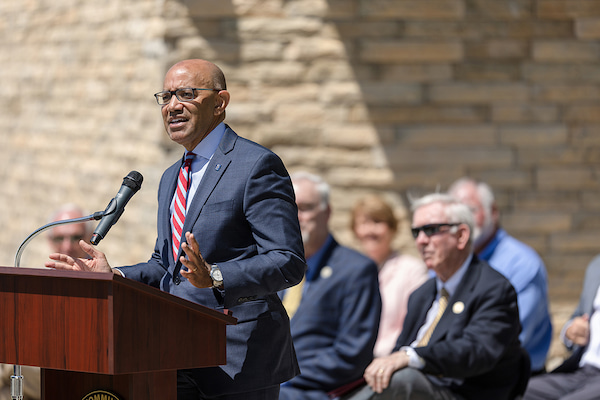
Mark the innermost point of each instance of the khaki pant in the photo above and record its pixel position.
(31, 382)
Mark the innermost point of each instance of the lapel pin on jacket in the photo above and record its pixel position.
(326, 272)
(458, 307)
(217, 167)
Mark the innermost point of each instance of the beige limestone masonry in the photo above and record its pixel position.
(384, 96)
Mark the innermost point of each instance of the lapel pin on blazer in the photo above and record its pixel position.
(458, 307)
(217, 167)
(326, 272)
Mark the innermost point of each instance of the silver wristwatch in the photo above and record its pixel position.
(216, 276)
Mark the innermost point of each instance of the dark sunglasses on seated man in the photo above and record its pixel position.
(431, 229)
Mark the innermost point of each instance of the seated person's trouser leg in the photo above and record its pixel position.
(407, 383)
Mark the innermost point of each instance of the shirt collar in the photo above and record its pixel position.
(487, 251)
(451, 284)
(207, 146)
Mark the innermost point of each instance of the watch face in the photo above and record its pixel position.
(216, 275)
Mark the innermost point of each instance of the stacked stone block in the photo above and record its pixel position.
(399, 97)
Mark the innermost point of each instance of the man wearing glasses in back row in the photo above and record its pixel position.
(460, 338)
(228, 238)
(61, 239)
(65, 238)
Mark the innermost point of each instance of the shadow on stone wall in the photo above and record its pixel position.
(399, 97)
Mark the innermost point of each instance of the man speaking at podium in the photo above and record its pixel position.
(230, 204)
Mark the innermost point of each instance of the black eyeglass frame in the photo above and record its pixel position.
(174, 92)
(430, 229)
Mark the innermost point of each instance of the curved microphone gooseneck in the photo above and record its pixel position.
(131, 184)
(16, 380)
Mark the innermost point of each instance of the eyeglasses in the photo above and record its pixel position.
(309, 207)
(183, 94)
(430, 229)
(72, 238)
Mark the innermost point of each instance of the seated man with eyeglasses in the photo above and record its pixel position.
(65, 238)
(460, 338)
(61, 239)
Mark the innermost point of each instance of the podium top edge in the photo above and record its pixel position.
(115, 278)
(23, 271)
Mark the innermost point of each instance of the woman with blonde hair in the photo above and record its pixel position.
(375, 226)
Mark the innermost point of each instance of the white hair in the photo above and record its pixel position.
(321, 186)
(484, 192)
(455, 211)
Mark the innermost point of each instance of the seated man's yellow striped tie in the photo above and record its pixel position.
(442, 304)
(292, 297)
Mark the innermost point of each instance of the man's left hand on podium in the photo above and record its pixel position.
(96, 263)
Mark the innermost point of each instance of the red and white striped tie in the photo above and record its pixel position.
(179, 207)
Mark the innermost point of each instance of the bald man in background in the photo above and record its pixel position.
(61, 239)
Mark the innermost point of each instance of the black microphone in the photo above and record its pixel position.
(131, 184)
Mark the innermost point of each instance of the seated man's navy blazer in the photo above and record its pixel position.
(335, 326)
(475, 349)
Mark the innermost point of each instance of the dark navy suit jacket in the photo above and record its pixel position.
(335, 326)
(475, 349)
(245, 219)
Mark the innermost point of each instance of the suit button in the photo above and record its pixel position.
(177, 280)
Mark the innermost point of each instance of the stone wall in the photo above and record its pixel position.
(77, 116)
(395, 97)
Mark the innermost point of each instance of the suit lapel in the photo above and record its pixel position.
(164, 212)
(458, 301)
(313, 276)
(214, 171)
(416, 322)
(590, 290)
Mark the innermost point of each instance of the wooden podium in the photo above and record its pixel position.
(95, 331)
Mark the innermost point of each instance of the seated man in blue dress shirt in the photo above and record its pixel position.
(518, 262)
